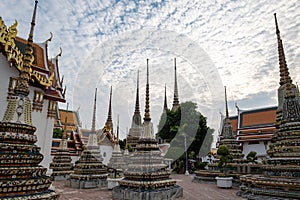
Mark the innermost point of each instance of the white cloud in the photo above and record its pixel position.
(105, 42)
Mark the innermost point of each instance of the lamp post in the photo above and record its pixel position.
(186, 157)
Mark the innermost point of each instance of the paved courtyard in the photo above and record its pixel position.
(191, 191)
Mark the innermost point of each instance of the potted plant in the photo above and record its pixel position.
(224, 181)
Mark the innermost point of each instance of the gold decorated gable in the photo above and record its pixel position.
(15, 56)
(107, 132)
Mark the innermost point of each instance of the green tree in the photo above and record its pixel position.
(225, 158)
(57, 133)
(196, 128)
(122, 144)
(252, 157)
(184, 123)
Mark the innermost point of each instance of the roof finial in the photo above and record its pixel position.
(137, 103)
(59, 54)
(165, 101)
(49, 39)
(226, 105)
(94, 113)
(147, 103)
(284, 71)
(176, 96)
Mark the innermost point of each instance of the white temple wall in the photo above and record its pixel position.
(43, 124)
(44, 130)
(260, 148)
(5, 73)
(106, 152)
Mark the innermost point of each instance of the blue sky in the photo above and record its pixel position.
(216, 43)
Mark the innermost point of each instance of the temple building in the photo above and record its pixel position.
(67, 121)
(281, 174)
(45, 84)
(90, 172)
(147, 176)
(21, 175)
(254, 129)
(136, 123)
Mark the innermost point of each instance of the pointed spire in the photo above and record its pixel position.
(92, 141)
(118, 130)
(18, 110)
(176, 96)
(282, 62)
(284, 71)
(94, 113)
(30, 38)
(126, 138)
(147, 103)
(137, 103)
(63, 143)
(226, 127)
(136, 118)
(165, 101)
(24, 76)
(226, 105)
(109, 116)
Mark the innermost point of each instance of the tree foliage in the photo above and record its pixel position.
(252, 157)
(58, 133)
(185, 123)
(224, 158)
(122, 144)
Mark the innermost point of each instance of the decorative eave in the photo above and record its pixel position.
(42, 76)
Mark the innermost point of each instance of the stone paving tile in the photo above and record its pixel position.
(191, 191)
(67, 193)
(199, 191)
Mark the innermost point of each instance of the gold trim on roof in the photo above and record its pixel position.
(15, 56)
(42, 79)
(7, 39)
